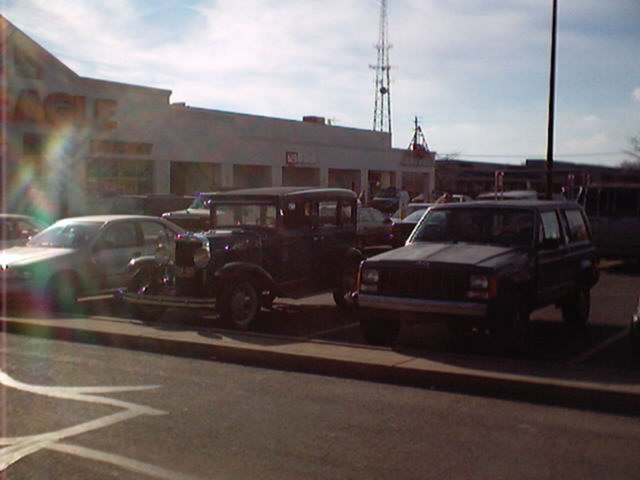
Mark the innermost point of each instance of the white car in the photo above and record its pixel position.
(80, 256)
(15, 229)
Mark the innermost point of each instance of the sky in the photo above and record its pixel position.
(475, 73)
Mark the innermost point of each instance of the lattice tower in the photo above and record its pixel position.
(382, 103)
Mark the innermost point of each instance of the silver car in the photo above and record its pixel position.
(80, 256)
(16, 229)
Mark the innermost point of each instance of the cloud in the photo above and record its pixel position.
(475, 73)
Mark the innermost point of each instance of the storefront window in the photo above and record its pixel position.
(120, 175)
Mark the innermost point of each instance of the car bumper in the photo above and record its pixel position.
(166, 301)
(436, 307)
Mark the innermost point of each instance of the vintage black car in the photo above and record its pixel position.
(485, 264)
(262, 243)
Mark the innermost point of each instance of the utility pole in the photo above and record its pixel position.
(382, 103)
(552, 94)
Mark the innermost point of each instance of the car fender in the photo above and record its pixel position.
(235, 270)
(589, 273)
(144, 262)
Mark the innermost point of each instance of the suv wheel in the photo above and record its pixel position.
(575, 310)
(143, 282)
(379, 331)
(241, 304)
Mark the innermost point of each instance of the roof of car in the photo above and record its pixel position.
(537, 204)
(271, 192)
(109, 218)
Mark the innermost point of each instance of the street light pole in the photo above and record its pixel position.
(552, 93)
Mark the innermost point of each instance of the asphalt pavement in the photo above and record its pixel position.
(568, 385)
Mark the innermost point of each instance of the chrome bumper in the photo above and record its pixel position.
(468, 309)
(166, 301)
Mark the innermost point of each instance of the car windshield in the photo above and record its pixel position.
(199, 201)
(414, 217)
(390, 192)
(477, 225)
(233, 215)
(65, 235)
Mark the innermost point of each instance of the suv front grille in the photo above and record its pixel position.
(423, 283)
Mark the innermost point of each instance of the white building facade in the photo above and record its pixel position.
(66, 139)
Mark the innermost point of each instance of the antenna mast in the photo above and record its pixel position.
(382, 103)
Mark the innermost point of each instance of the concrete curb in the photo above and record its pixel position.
(566, 386)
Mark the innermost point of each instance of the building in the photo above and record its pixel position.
(67, 139)
(472, 178)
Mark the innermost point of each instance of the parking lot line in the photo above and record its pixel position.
(331, 330)
(601, 346)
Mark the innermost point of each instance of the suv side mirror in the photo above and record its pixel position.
(549, 244)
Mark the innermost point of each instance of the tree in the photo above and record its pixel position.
(633, 153)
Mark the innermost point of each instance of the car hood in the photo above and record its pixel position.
(469, 254)
(187, 212)
(19, 256)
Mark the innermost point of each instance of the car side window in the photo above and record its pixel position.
(550, 226)
(346, 214)
(120, 235)
(328, 214)
(297, 216)
(377, 216)
(576, 226)
(154, 234)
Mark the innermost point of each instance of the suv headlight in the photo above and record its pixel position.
(482, 287)
(479, 282)
(201, 257)
(369, 278)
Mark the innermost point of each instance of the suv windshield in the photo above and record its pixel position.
(476, 225)
(246, 214)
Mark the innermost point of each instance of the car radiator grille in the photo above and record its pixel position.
(425, 284)
(189, 285)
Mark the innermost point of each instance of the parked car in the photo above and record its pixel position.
(373, 228)
(194, 218)
(482, 264)
(79, 256)
(154, 205)
(509, 195)
(614, 213)
(262, 243)
(387, 200)
(16, 229)
(401, 229)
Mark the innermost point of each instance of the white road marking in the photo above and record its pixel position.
(601, 346)
(16, 448)
(129, 464)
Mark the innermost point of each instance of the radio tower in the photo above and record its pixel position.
(382, 104)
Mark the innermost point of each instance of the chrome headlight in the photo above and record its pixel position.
(163, 255)
(16, 273)
(201, 257)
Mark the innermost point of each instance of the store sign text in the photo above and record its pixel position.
(58, 109)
